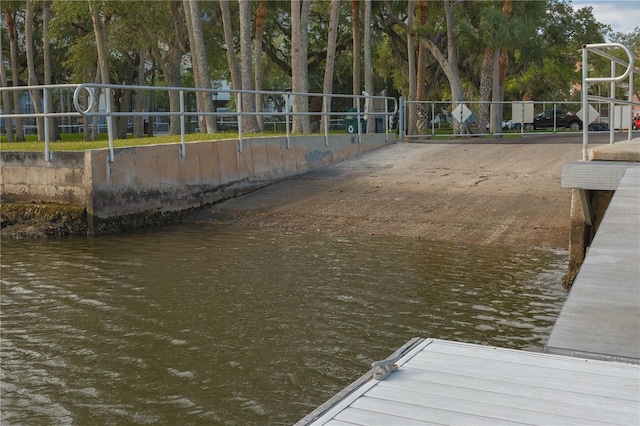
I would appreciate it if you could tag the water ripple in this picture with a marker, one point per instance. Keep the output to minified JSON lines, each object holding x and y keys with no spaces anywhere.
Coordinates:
{"x":211,"y":325}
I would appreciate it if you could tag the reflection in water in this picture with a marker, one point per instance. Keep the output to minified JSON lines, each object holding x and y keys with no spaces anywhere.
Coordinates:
{"x":212,"y":325}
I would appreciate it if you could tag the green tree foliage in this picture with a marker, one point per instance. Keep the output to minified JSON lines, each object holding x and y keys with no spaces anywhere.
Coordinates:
{"x":554,"y":72}
{"x":542,"y":40}
{"x":632,"y":41}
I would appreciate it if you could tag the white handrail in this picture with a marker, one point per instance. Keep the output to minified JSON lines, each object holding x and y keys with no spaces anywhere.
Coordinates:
{"x":596,"y":48}
{"x":109,"y":114}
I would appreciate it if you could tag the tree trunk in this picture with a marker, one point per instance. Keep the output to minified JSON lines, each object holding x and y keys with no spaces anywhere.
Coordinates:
{"x":86,"y":134}
{"x":451,"y":68}
{"x":496,"y":110}
{"x":6,"y":99}
{"x":170,"y":63}
{"x":249,"y":122}
{"x":234,"y":67}
{"x":201,"y":65}
{"x":448,"y":63}
{"x":411,"y":62}
{"x":261,"y":14}
{"x":54,"y":130}
{"x":122,"y":103}
{"x":485,"y":91}
{"x":36,"y":96}
{"x":422,"y":110}
{"x":355,"y":29}
{"x":171,"y":72}
{"x":86,"y":76}
{"x":138,"y":127}
{"x":195,"y":67}
{"x":501,"y":59}
{"x":100,"y":30}
{"x":13,"y":50}
{"x":152,"y":102}
{"x":327,"y":86}
{"x":95,"y":125}
{"x":300,"y":10}
{"x":368,"y":64}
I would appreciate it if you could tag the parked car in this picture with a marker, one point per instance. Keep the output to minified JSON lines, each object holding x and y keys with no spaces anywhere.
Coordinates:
{"x":598,"y":127}
{"x":635,"y":123}
{"x":551,"y":118}
{"x":509,"y":125}
{"x":506,"y":125}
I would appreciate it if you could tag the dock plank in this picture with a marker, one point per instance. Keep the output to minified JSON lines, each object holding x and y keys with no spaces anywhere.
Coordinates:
{"x":495,"y":407}
{"x":428,"y":411}
{"x":428,"y":382}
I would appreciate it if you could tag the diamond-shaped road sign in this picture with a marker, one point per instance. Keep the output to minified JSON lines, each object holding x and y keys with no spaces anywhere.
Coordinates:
{"x":593,"y":114}
{"x":461,"y":113}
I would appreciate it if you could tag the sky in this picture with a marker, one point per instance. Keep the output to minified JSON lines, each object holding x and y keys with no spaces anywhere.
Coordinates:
{"x":622,"y":15}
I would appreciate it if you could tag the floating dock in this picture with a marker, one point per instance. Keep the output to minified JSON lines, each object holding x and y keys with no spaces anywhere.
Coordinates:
{"x":601,"y":316}
{"x":590,"y":371}
{"x":441,"y":382}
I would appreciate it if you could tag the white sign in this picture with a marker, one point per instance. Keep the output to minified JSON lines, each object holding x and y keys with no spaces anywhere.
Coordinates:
{"x":522,"y":112}
{"x":461,"y":113}
{"x":593,"y":114}
{"x":622,"y":117}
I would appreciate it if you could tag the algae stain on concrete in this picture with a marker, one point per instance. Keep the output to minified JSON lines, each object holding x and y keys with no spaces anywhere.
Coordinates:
{"x":316,"y":155}
{"x":35,"y":220}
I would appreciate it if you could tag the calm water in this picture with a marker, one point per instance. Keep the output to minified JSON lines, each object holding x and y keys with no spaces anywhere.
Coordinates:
{"x":210,"y":325}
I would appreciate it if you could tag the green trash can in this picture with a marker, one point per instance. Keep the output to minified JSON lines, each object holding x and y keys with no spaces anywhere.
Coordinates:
{"x":379,"y":125}
{"x":350,"y":122}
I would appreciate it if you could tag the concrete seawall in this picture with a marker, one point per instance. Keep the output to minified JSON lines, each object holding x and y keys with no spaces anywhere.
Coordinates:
{"x":156,"y":180}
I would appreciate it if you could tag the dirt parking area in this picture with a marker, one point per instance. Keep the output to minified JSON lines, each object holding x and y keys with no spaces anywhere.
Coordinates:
{"x":471,"y":191}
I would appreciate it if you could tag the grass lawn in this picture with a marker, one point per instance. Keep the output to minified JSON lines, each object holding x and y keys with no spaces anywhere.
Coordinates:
{"x":74,"y":142}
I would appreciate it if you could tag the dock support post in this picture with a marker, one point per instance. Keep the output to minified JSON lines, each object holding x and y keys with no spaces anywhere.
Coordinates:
{"x":587,"y":211}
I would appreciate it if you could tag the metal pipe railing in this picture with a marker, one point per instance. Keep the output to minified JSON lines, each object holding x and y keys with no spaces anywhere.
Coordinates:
{"x":46,"y":89}
{"x":629,"y":72}
{"x":433,"y":118}
{"x":91,"y":88}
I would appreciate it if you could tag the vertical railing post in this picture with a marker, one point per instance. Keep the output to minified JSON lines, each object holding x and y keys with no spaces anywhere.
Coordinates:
{"x":326,"y":116}
{"x":358,"y":119}
{"x":239,"y":108}
{"x":287,"y":119}
{"x":386,"y":120}
{"x":47,"y":136}
{"x":632,"y":67}
{"x":401,"y":120}
{"x":433,"y":118}
{"x":109,"y":113}
{"x":585,"y":105}
{"x":182,"y":124}
{"x":612,"y":104}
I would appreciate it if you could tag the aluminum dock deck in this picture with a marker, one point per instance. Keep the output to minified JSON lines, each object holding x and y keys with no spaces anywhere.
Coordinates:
{"x":601,"y":316}
{"x":441,"y":382}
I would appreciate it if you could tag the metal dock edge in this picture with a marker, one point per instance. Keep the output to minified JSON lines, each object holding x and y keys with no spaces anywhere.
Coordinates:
{"x":601,"y":317}
{"x":355,"y":386}
{"x":441,"y":382}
